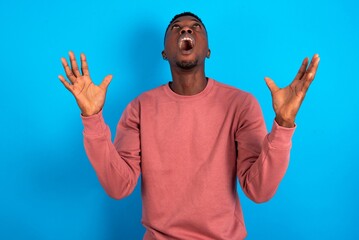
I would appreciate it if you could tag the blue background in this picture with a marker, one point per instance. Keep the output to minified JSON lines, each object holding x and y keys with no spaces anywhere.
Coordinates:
{"x":48,"y":187}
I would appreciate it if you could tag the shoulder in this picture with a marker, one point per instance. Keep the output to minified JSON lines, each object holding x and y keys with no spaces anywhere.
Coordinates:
{"x":233,"y":93}
{"x":148,"y":97}
{"x":152,"y":94}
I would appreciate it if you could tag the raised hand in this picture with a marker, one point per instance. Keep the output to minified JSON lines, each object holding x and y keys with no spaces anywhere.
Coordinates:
{"x":287,"y":101}
{"x":89,"y":97}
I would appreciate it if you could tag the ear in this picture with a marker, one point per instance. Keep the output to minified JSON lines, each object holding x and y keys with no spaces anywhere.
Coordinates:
{"x":164,"y":55}
{"x":209,"y":53}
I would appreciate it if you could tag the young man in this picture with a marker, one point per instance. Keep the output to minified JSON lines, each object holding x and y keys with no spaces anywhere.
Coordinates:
{"x":190,"y":140}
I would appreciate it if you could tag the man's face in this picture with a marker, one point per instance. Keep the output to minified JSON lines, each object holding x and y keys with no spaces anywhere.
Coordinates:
{"x":186,"y":44}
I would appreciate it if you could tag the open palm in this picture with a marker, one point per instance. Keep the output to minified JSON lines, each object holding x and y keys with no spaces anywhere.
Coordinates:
{"x":287,"y":101}
{"x":89,"y":97}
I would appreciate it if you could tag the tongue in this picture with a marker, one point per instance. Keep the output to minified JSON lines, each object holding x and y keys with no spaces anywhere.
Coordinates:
{"x":186,"y":45}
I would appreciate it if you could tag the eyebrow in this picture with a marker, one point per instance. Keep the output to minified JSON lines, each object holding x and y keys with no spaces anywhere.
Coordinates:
{"x":193,"y":19}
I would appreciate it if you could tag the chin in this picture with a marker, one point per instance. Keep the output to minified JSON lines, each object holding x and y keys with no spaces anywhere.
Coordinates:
{"x":187,"y":64}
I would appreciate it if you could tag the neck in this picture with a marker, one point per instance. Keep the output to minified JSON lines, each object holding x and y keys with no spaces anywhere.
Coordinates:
{"x":188,"y":82}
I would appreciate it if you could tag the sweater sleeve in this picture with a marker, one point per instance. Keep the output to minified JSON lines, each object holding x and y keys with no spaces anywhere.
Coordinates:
{"x":117,"y":165}
{"x":262,"y":158}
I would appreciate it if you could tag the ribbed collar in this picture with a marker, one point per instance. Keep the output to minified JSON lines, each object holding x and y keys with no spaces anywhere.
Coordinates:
{"x":197,"y":96}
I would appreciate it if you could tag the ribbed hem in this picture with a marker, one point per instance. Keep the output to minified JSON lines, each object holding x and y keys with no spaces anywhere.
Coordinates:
{"x":281,"y":137}
{"x":94,"y":125}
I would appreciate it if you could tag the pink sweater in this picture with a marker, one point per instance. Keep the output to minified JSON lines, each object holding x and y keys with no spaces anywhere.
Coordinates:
{"x":190,"y":150}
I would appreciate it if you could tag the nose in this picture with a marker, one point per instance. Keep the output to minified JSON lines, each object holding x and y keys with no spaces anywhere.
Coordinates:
{"x":186,"y":29}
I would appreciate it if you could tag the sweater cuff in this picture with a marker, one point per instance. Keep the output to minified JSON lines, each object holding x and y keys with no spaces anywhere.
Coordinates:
{"x":94,"y":124}
{"x":281,"y":137}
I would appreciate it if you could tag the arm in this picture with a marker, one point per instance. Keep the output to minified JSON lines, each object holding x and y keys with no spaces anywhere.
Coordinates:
{"x":262,"y":158}
{"x":117,"y":166}
{"x":262,"y":163}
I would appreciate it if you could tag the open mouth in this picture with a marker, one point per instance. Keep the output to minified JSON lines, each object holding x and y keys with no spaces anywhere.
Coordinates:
{"x":186,"y":42}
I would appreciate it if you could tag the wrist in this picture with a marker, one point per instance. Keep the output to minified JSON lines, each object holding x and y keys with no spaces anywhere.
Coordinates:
{"x":89,"y":114}
{"x":288,"y":123}
{"x":88,"y":111}
{"x":86,"y":114}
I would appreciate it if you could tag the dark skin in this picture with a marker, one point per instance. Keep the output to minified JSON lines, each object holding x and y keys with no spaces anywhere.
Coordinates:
{"x":187,"y":81}
{"x":188,"y":75}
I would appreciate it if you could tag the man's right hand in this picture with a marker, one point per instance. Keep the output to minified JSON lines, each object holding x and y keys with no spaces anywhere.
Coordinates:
{"x":89,"y":97}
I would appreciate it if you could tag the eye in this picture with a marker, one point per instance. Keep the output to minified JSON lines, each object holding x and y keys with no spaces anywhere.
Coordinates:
{"x":196,"y":25}
{"x":175,"y":26}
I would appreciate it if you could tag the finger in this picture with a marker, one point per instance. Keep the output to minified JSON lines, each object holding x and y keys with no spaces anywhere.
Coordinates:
{"x":74,"y":67}
{"x":106,"y":81}
{"x":67,"y":85}
{"x":313,"y":69}
{"x":302,"y":69}
{"x":271,"y":85}
{"x":312,"y":66}
{"x":84,"y":66}
{"x":310,"y":75}
{"x":70,"y":75}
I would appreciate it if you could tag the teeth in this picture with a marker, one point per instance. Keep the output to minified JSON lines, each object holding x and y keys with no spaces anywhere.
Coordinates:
{"x":186,"y":42}
{"x":187,"y":38}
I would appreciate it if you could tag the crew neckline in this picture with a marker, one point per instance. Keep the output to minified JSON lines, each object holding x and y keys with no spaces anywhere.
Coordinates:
{"x":199,"y":95}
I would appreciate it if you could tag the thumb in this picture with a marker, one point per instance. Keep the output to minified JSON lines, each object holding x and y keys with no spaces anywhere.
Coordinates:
{"x":271,"y":85}
{"x":106,"y":81}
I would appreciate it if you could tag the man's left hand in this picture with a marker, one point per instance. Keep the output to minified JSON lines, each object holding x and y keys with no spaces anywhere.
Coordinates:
{"x":287,"y":101}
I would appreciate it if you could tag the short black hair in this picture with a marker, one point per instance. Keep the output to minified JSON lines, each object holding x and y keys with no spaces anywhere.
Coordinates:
{"x":181,"y":15}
